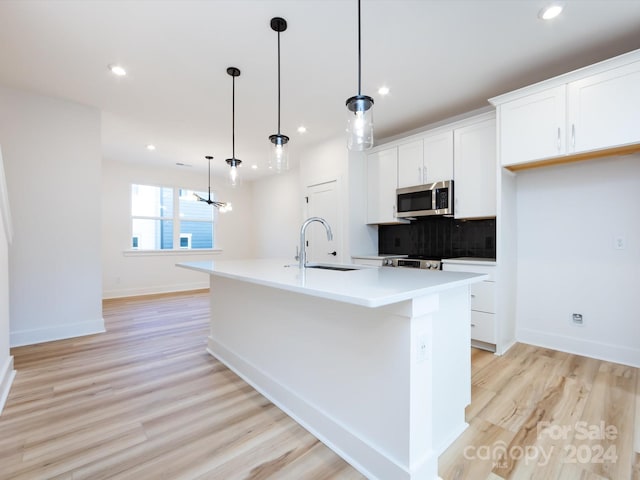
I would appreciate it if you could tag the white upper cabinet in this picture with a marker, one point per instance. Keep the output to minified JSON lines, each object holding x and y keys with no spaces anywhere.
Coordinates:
{"x":429,"y":157}
{"x":594,"y":111}
{"x":475,"y":170}
{"x":382,"y":181}
{"x":427,"y":160}
{"x":410,"y":164}
{"x":604,"y":109}
{"x":438,"y":157}
{"x":533,"y":127}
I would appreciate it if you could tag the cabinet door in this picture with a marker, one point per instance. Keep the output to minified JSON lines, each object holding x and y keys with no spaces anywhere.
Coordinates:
{"x":483,"y":298}
{"x":438,"y":157}
{"x":410,"y":164}
{"x":382,"y":181}
{"x":483,"y":327}
{"x":475,"y":172}
{"x":604,"y":109}
{"x":533,"y":127}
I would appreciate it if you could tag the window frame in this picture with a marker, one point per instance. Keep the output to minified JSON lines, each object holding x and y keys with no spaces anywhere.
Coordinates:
{"x":175,"y":219}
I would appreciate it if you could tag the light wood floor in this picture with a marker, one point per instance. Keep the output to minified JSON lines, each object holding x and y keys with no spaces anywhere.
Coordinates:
{"x":145,"y":401}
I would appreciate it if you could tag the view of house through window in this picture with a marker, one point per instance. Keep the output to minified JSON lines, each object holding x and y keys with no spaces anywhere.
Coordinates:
{"x":164,"y":218}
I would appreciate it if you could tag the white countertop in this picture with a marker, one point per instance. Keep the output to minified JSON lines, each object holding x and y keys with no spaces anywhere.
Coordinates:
{"x":470,"y":261}
{"x":366,"y":286}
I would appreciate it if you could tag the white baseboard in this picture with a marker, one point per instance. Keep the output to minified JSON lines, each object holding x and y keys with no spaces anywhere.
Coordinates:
{"x":577,"y":346}
{"x":505,"y":348}
{"x":7,"y":374}
{"x":57,"y":332}
{"x":136,"y":292}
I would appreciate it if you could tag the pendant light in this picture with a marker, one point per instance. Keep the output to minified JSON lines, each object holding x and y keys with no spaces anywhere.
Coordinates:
{"x":279,"y":155}
{"x":223,"y":206}
{"x":360,"y":123}
{"x":234,"y":163}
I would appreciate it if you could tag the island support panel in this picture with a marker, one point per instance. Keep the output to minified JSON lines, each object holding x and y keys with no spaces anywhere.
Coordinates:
{"x":385,"y":388}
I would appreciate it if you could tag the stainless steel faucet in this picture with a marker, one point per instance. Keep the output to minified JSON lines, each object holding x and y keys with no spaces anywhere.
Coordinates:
{"x":303,"y":230}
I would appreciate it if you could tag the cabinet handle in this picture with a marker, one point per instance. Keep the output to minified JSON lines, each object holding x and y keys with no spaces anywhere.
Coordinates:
{"x":394,"y":211}
{"x":559,"y":140}
{"x":573,"y":135}
{"x":420,"y":177}
{"x":473,"y":295}
{"x":473,"y":324}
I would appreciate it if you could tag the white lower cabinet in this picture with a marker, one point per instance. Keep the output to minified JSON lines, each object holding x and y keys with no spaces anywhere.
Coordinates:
{"x":483,"y":327}
{"x":372,"y":262}
{"x":483,"y":301}
{"x":483,"y":297}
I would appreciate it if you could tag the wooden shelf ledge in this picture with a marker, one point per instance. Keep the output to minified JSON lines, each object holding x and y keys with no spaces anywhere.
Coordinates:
{"x":577,"y":157}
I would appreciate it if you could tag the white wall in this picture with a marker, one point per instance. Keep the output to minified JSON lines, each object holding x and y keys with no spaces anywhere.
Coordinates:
{"x":51,"y":152}
{"x":6,"y":232}
{"x":127,"y":275}
{"x":277,"y":215}
{"x":568,"y":219}
{"x":279,"y":208}
{"x":331,"y":160}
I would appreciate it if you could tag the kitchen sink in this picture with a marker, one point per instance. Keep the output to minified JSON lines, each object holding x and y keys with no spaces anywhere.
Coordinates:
{"x":333,"y":267}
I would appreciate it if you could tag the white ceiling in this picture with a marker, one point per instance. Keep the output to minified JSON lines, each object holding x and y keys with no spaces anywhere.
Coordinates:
{"x":439,"y":58}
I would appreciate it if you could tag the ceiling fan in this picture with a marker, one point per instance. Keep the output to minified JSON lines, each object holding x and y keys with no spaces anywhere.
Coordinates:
{"x":223,"y":206}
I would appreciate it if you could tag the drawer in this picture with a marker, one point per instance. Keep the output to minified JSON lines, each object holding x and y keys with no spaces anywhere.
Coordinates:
{"x":488,"y":269}
{"x":367,"y":261}
{"x":483,"y":327}
{"x":483,"y":297}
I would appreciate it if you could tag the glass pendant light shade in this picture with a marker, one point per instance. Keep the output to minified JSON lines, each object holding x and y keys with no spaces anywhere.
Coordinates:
{"x":234,"y":177}
{"x":360,"y":123}
{"x":279,"y":153}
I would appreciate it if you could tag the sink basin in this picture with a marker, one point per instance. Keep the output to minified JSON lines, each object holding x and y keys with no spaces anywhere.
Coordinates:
{"x":333,"y":267}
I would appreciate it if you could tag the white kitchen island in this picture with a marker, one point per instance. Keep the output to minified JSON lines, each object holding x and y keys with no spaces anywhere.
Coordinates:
{"x":374,"y":362}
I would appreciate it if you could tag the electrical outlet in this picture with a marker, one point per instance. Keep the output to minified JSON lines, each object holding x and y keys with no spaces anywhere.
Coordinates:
{"x":577,"y":319}
{"x":619,"y":243}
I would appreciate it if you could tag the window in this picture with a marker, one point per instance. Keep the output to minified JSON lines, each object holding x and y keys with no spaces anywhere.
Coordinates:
{"x":162,"y":217}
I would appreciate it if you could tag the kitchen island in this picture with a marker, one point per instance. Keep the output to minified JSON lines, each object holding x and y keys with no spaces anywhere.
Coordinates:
{"x":375,"y":362}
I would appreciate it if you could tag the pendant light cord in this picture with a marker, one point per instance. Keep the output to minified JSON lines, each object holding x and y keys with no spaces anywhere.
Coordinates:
{"x":359,"y":53}
{"x":233,"y":118}
{"x":278,"y":83}
{"x":209,"y":179}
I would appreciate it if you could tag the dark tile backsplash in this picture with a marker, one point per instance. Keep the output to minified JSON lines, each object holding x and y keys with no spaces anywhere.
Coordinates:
{"x":440,"y":237}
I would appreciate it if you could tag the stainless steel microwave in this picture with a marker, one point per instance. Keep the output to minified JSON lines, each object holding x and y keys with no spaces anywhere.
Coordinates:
{"x":422,"y":200}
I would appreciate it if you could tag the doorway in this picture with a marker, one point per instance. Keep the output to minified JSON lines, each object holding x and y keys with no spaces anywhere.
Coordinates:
{"x":322,"y":201}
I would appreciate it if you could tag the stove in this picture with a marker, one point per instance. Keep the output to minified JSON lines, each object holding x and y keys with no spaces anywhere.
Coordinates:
{"x":415,"y":261}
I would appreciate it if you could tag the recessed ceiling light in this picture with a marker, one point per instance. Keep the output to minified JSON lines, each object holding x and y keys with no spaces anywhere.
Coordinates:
{"x":117,"y":70}
{"x":181,"y":164}
{"x":383,"y":91}
{"x":302,"y":129}
{"x":550,"y":11}
{"x":151,"y":147}
{"x":254,"y":167}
